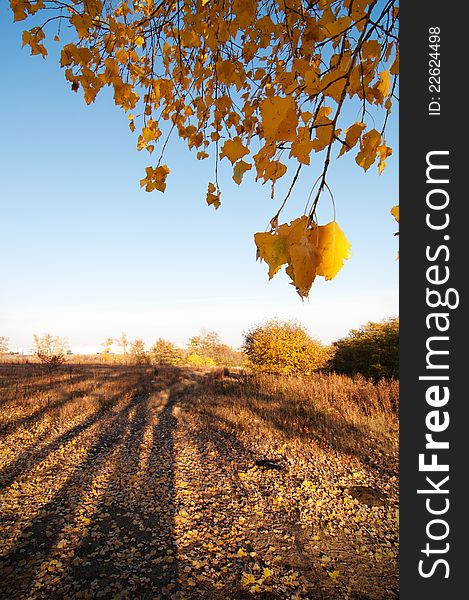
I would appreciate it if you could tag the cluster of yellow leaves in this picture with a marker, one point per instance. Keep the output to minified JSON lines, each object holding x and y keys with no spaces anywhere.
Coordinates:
{"x":257,"y":585}
{"x":155,"y":179}
{"x":232,"y":71}
{"x":33,"y":39}
{"x":307,"y":248}
{"x":227,"y":75}
{"x":372,"y":147}
{"x":213,"y":195}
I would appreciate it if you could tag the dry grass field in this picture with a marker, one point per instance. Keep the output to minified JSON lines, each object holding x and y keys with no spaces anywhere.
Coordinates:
{"x":141,"y":483}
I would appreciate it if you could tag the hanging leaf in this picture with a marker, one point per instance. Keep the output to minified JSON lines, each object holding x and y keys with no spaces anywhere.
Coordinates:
{"x":155,"y":179}
{"x":368,"y":149}
{"x":213,"y":196}
{"x":334,"y":249}
{"x":233,"y":150}
{"x":279,"y":119}
{"x":307,"y":249}
{"x":239,"y":169}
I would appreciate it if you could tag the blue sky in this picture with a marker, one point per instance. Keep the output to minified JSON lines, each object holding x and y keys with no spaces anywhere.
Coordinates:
{"x":87,"y":254}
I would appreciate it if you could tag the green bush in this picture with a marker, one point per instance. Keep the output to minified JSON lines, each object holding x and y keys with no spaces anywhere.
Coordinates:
{"x":372,"y":350}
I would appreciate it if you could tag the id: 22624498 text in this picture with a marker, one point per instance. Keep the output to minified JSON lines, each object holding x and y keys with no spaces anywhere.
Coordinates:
{"x":434,"y":71}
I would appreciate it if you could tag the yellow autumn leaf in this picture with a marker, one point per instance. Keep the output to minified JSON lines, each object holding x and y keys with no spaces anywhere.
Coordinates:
{"x":368,"y":149}
{"x":323,"y":129}
{"x":337,"y":27}
{"x":82,"y":23}
{"x":358,"y":8}
{"x":304,"y":255}
{"x":19,"y":9}
{"x":322,"y":114}
{"x":302,"y":146}
{"x":213,"y":196}
{"x":383,"y":86}
{"x":233,"y":150}
{"x":323,"y":137}
{"x":150,"y":132}
{"x":332,"y":84}
{"x":395,"y":212}
{"x":352,"y":135}
{"x":279,"y":119}
{"x":333,"y":574}
{"x":333,"y":248}
{"x":239,"y":169}
{"x":247,"y":579}
{"x":33,"y":38}
{"x":383,"y":152}
{"x":274,"y":170}
{"x":370,"y":49}
{"x":311,"y":82}
{"x":273,"y":249}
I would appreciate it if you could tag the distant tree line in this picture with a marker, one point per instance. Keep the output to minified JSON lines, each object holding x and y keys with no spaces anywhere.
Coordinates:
{"x":204,"y":350}
{"x":275,"y":346}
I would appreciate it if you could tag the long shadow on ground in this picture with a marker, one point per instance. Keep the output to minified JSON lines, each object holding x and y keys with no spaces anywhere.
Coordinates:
{"x":108,"y":530}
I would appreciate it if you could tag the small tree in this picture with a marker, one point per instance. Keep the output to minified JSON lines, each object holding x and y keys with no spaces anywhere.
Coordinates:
{"x":138,"y":354}
{"x":284,"y":347}
{"x":164,"y":352}
{"x":107,"y":348}
{"x":204,"y":344}
{"x":372,"y":350}
{"x":51,"y":350}
{"x":209,"y":345}
{"x":4,"y":344}
{"x":123,"y":342}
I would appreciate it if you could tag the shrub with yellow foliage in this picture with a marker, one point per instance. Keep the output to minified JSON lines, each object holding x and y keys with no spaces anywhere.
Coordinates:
{"x":284,"y":347}
{"x":195,"y":360}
